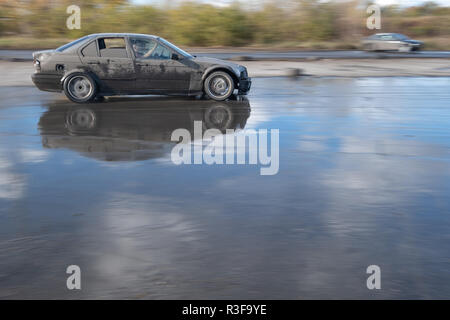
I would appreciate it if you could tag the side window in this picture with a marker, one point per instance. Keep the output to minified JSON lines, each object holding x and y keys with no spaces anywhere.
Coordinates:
{"x":90,"y":50}
{"x":386,"y":38}
{"x":161,"y":52}
{"x":112,"y":47}
{"x":399,"y":37}
{"x":142,"y":48}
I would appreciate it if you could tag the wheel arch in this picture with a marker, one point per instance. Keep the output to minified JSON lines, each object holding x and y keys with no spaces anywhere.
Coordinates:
{"x":80,"y":70}
{"x":224,"y":69}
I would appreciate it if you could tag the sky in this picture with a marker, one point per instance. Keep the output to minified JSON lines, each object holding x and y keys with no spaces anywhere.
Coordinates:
{"x":226,"y":2}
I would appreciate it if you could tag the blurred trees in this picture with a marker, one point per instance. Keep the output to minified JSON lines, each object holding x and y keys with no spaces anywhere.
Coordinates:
{"x":196,"y":24}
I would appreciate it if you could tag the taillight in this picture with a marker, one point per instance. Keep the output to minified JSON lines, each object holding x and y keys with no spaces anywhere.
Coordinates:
{"x":37,"y":64}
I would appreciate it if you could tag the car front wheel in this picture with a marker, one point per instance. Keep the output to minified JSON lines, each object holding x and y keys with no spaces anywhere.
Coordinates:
{"x":219,"y":86}
{"x":80,"y":87}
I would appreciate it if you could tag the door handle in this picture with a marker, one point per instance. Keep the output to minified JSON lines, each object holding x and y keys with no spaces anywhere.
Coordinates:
{"x":142,"y":64}
{"x":93,"y":62}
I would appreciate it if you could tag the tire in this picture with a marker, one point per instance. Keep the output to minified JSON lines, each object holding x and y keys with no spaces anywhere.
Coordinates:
{"x":219,"y":86}
{"x":80,"y":87}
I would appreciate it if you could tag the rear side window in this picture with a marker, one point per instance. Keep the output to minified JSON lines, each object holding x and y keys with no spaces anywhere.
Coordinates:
{"x":90,"y":50}
{"x":112,"y":47}
{"x":71,"y":44}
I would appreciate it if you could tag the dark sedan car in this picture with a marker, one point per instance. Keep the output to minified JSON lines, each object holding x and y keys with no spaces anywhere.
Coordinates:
{"x":114,"y":64}
{"x":391,"y":41}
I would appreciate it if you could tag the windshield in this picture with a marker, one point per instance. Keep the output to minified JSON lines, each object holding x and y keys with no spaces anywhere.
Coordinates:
{"x":175,"y":48}
{"x":70,"y":44}
{"x":401,"y":37}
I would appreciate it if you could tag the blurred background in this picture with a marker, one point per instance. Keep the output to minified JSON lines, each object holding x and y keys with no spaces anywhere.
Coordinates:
{"x":308,"y":24}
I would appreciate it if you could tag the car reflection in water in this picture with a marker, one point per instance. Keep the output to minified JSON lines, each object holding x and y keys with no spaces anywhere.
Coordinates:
{"x":133,"y":129}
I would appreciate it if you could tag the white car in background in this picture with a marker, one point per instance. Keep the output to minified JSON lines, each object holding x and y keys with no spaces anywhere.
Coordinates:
{"x":391,"y":42}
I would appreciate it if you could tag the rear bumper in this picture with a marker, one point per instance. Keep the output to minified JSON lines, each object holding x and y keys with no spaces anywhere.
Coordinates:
{"x":47,"y":82}
{"x":245,"y":85}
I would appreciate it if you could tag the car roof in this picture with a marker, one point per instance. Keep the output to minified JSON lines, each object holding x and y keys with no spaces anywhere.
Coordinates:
{"x":80,"y":42}
{"x":387,"y":34}
{"x":121,"y":35}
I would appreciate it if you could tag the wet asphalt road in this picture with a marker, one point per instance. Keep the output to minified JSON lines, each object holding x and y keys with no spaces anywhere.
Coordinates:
{"x":363,"y":179}
{"x":275,"y":55}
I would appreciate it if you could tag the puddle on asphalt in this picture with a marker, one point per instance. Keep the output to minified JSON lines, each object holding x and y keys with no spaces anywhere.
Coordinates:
{"x":363,"y":179}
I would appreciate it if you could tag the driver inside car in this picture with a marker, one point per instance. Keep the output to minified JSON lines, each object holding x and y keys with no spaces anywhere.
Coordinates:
{"x":143,"y":49}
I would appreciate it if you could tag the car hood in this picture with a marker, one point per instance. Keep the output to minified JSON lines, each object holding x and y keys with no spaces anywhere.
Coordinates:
{"x":413,"y":41}
{"x":207,"y":62}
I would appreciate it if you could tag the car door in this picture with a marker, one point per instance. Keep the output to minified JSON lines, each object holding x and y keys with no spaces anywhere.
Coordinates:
{"x":156,"y":68}
{"x":111,"y":61}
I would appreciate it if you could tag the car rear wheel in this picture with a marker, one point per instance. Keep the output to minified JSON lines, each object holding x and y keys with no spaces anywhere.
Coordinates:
{"x":80,"y":88}
{"x":219,"y":86}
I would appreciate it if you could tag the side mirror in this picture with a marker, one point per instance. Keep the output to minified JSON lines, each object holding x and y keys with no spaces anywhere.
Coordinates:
{"x":175,"y":56}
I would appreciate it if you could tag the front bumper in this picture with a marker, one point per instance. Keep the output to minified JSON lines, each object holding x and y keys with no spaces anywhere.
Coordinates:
{"x":413,"y":46}
{"x":47,"y":82}
{"x":244,"y":86}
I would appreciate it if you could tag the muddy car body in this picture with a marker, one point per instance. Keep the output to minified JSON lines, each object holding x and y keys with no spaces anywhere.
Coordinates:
{"x":116,"y":64}
{"x":391,"y":42}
